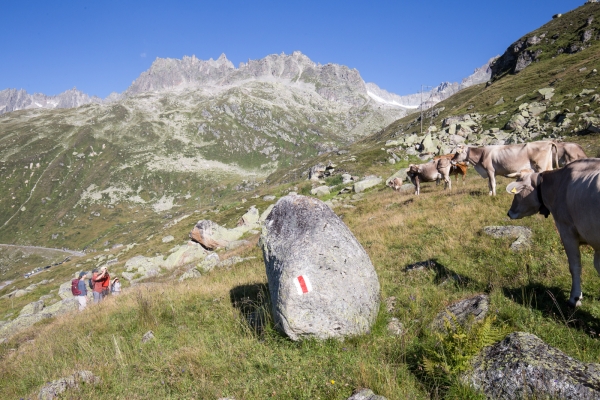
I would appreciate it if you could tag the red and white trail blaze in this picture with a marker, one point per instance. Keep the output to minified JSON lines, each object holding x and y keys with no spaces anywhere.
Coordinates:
{"x":302,"y":284}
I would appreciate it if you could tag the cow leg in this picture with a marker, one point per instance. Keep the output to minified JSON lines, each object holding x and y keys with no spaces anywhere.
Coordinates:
{"x":574,"y":256}
{"x":418,"y":185}
{"x":492,"y":183}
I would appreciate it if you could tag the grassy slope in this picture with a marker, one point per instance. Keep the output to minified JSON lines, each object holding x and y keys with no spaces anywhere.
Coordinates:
{"x":205,"y":347}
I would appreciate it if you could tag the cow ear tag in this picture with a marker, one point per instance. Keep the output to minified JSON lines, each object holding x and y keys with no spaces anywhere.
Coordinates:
{"x":514,"y":190}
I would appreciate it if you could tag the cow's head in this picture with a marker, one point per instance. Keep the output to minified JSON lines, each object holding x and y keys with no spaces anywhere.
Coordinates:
{"x":526,"y":201}
{"x":460,"y":155}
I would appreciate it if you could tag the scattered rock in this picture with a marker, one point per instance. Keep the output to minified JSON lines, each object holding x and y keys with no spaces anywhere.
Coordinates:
{"x":522,"y":366}
{"x":269,"y":198}
{"x":148,"y":336}
{"x":208,"y":263}
{"x":475,"y":307}
{"x":395,"y":327}
{"x":53,"y":389}
{"x":20,"y":293}
{"x":236,"y":243}
{"x":212,"y":236}
{"x":186,"y":254}
{"x":367,"y":183}
{"x":190,"y":274}
{"x":32,"y":308}
{"x":168,"y":239}
{"x":320,"y":191}
{"x":500,"y":101}
{"x":521,"y":233}
{"x":321,"y":280}
{"x":365,"y":394}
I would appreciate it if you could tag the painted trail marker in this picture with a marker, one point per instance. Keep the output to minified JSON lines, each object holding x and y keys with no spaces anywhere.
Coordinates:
{"x":302,"y":284}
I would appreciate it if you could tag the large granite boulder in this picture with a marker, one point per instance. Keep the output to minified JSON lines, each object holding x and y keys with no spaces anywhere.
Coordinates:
{"x":522,"y":366}
{"x":321,"y":280}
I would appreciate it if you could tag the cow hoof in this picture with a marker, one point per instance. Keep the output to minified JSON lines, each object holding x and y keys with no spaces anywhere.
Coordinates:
{"x":574,"y":304}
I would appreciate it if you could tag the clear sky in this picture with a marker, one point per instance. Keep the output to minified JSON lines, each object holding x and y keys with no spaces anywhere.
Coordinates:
{"x":102,"y":46}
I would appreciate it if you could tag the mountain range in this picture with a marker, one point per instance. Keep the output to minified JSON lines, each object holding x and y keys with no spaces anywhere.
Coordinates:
{"x":336,"y":82}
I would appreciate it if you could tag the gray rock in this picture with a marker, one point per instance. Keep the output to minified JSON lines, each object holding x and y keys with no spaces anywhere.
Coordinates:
{"x":475,"y":307}
{"x":269,"y":198}
{"x":168,"y":239}
{"x":365,"y":394}
{"x":400,"y":174}
{"x":522,"y":366}
{"x":500,"y":101}
{"x":209,"y":262}
{"x":21,"y":292}
{"x":62,"y":307}
{"x":320,"y":191}
{"x":148,"y":336}
{"x":547,"y":93}
{"x":367,"y":183}
{"x":190,"y":274}
{"x":236,"y":243}
{"x":321,"y":280}
{"x":54,"y":389}
{"x":522,"y":234}
{"x":395,"y":327}
{"x":515,"y":122}
{"x":32,"y":308}
{"x":20,"y":323}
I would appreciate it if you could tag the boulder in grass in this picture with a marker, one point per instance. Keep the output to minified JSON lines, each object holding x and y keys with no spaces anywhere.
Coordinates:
{"x":322,"y":282}
{"x":366,"y":183}
{"x":365,"y":394}
{"x":473,"y":308}
{"x":212,"y":236}
{"x":522,"y":366}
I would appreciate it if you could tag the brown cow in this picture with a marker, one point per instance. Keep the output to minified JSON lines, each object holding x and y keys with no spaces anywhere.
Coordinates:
{"x":506,"y":160}
{"x":455,"y":169}
{"x":395,"y":183}
{"x":572,"y":196}
{"x":430,"y":172}
{"x":567,"y":152}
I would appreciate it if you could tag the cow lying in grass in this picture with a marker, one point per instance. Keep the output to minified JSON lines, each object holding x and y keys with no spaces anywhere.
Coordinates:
{"x":429,"y":172}
{"x":572,"y":196}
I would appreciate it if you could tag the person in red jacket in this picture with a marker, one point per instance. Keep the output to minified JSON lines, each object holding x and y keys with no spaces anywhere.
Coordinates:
{"x":99,"y":279}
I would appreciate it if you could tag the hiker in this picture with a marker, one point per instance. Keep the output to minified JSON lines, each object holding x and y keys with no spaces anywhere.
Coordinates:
{"x":79,"y":290}
{"x":115,"y":287}
{"x":98,"y":280}
{"x":105,"y":283}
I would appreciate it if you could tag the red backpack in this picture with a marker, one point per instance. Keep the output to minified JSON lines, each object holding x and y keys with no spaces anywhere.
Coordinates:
{"x":74,"y":287}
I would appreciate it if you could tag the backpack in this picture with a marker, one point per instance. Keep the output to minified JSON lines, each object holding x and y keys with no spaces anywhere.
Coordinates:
{"x":91,"y":284}
{"x":74,"y":287}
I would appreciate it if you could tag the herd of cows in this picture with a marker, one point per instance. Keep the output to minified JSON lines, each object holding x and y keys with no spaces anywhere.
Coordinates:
{"x":571,"y":193}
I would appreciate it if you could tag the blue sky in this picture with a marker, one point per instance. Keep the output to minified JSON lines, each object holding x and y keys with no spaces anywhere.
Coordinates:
{"x":102,"y":46}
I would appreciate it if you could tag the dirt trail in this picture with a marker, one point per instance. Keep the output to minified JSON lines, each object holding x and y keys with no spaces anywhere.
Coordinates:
{"x":71,"y":252}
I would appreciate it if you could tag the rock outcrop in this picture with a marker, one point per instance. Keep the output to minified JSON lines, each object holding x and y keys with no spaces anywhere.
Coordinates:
{"x":321,"y":280}
{"x":54,"y":389}
{"x":522,"y":366}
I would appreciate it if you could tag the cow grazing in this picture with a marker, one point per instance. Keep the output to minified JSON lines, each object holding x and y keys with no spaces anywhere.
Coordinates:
{"x":455,"y":169}
{"x":567,"y":152}
{"x":572,"y":196}
{"x":430,"y":172}
{"x":395,"y":183}
{"x":506,"y":160}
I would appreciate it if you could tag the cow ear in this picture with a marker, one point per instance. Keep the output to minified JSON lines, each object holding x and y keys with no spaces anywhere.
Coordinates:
{"x":515,"y":187}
